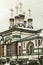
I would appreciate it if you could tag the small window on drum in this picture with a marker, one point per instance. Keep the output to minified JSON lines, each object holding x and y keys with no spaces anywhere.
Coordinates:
{"x":39,"y":42}
{"x":35,"y":42}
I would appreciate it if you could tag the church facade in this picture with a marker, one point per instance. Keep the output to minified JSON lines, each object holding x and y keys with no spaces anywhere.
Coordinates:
{"x":21,"y":41}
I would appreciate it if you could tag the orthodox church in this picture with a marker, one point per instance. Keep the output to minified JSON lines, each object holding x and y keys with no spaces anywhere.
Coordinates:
{"x":21,"y":41}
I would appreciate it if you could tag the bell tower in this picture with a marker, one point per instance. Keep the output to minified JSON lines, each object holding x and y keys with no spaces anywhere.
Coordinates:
{"x":11,"y":20}
{"x":21,"y":15}
{"x":17,"y":17}
{"x":30,"y":20}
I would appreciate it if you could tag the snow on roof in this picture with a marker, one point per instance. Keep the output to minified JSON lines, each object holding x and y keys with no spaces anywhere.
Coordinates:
{"x":29,"y":29}
{"x":21,"y":29}
{"x":32,"y":37}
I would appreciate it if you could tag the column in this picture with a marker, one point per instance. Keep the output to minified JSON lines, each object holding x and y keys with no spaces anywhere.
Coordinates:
{"x":4,"y":50}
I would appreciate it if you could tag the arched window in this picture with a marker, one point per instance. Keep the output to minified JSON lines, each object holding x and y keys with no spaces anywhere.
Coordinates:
{"x":29,"y":48}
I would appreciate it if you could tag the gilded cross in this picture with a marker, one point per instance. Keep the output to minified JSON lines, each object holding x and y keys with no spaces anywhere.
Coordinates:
{"x":20,"y":6}
{"x":11,"y":12}
{"x":29,"y":12}
{"x":16,"y":9}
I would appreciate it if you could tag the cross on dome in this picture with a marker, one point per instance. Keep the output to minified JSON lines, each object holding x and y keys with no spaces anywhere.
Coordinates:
{"x":11,"y":12}
{"x":29,"y":12}
{"x":17,"y":9}
{"x":20,"y":6}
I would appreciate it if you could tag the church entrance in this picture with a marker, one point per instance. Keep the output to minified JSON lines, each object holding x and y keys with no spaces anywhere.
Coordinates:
{"x":29,"y":48}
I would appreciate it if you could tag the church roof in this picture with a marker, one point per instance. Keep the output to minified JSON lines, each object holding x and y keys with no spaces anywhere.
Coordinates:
{"x":32,"y":37}
{"x":21,"y":30}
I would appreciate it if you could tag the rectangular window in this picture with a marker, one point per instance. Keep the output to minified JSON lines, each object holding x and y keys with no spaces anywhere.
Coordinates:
{"x":20,"y":50}
{"x":8,"y":50}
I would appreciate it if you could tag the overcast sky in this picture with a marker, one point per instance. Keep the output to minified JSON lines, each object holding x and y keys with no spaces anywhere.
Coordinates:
{"x":35,"y":5}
